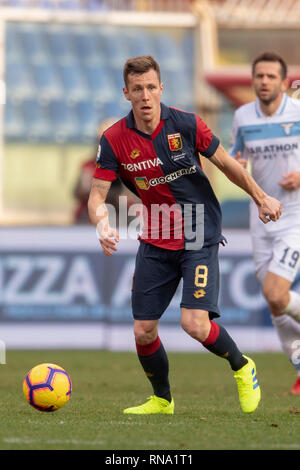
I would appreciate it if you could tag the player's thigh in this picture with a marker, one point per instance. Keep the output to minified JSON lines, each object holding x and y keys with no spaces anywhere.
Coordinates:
{"x":200,"y":272}
{"x":156,"y":278}
{"x":262,"y":255}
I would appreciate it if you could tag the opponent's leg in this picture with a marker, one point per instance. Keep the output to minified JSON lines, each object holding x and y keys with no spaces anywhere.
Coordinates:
{"x":279,"y":274}
{"x":293,"y":306}
{"x":277,"y":292}
{"x":276,"y":264}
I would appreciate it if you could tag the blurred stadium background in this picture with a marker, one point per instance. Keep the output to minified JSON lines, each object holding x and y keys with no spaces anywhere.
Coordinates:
{"x":60,"y":75}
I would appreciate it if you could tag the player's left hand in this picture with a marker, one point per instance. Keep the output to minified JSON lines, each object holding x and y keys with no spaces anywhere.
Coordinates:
{"x":291,"y":181}
{"x":269,"y":210}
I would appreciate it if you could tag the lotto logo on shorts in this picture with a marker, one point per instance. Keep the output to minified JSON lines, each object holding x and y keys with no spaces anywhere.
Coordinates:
{"x":142,"y":182}
{"x":199,"y":293}
{"x":175,"y":142}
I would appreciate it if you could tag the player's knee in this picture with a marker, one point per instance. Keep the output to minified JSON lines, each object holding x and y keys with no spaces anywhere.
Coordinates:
{"x":196,"y":328}
{"x":145,"y":332}
{"x":275,"y":299}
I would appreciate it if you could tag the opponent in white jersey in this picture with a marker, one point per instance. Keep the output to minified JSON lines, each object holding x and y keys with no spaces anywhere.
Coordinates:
{"x":266,"y":133}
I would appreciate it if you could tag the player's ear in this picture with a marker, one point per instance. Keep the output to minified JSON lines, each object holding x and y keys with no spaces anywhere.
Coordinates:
{"x":285,"y":84}
{"x":125,"y":91}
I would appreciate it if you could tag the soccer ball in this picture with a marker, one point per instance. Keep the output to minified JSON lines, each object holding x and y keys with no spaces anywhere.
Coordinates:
{"x":47,"y":387}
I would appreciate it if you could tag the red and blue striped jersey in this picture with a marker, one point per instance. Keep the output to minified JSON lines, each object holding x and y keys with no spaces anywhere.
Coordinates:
{"x":164,"y":170}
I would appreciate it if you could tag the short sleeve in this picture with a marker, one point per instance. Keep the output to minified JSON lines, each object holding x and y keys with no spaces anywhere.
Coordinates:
{"x":236,"y":139}
{"x":206,"y":142}
{"x":107,"y":165}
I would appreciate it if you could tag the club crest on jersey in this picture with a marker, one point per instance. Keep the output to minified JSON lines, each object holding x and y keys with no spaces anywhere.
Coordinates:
{"x":287,"y":127}
{"x":175,"y":142}
{"x":135,"y":153}
{"x":142,"y":182}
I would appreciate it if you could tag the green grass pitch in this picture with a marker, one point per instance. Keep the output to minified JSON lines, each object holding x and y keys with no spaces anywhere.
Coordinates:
{"x":207,"y":412}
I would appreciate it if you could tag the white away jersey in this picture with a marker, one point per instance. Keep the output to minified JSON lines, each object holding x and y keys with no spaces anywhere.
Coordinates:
{"x":272,"y":144}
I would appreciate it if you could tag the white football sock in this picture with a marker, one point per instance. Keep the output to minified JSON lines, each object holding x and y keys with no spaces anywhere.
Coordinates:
{"x":288,"y":331}
{"x":293,"y":307}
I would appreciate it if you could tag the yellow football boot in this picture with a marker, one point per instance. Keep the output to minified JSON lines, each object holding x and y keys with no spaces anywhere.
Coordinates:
{"x":248,"y":386}
{"x":154,"y":405}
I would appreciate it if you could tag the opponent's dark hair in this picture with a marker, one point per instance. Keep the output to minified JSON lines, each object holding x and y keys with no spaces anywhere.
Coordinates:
{"x":139,"y":65}
{"x":271,"y":57}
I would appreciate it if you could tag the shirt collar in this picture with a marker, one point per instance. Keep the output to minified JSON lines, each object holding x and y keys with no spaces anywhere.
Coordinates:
{"x":279,"y":110}
{"x":164,"y":114}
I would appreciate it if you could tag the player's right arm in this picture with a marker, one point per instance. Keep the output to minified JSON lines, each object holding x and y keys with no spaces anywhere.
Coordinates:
{"x":98,"y":214}
{"x":105,"y":173}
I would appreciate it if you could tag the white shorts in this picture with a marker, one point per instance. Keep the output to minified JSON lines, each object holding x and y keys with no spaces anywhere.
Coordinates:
{"x":277,"y":253}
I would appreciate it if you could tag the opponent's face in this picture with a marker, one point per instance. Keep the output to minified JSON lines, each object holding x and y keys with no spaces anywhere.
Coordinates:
{"x":144,"y":92}
{"x":267,"y":81}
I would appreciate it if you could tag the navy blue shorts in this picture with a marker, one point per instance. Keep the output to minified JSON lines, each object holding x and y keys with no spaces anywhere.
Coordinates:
{"x":158,"y":273}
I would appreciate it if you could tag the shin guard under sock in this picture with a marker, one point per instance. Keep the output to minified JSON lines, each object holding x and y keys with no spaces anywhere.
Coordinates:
{"x":220,"y":343}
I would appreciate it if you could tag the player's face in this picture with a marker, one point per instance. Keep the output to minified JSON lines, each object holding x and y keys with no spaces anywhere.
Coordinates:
{"x":144,"y":92}
{"x":267,"y":81}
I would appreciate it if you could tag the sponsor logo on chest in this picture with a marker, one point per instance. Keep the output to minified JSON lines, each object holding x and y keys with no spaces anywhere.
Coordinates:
{"x":144,"y":165}
{"x":143,"y":183}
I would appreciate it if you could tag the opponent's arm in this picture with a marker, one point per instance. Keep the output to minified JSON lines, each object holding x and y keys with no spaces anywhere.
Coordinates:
{"x":237,"y":145}
{"x":291,"y":181}
{"x":98,"y":214}
{"x":242,"y":161}
{"x":268,"y":207}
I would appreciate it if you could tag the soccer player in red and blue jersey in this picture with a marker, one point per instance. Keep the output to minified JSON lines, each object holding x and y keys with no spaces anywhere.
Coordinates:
{"x":155,"y":151}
